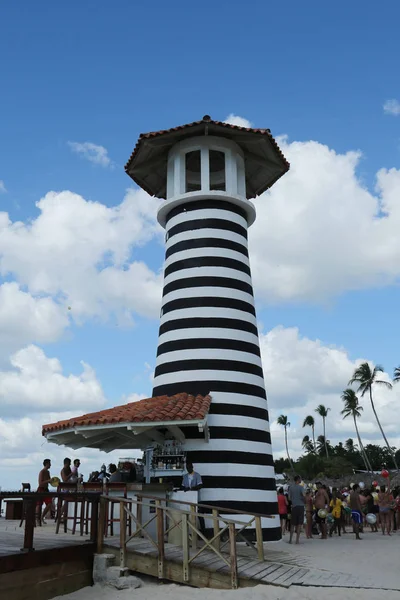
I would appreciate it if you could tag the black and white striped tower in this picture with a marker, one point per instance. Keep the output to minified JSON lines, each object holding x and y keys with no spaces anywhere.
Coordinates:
{"x":207,"y":172}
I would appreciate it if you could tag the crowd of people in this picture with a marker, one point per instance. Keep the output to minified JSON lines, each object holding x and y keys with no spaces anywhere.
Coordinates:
{"x":70,"y":474}
{"x":322,"y":511}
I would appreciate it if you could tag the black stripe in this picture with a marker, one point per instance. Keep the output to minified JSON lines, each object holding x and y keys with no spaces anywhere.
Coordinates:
{"x":206,"y":243}
{"x":211,"y":364}
{"x":230,"y":457}
{"x":269,"y":534}
{"x":206,"y":204}
{"x":193,"y":282}
{"x":207,"y":224}
{"x":239,"y":409}
{"x":263,"y":508}
{"x":230,"y":433}
{"x":221,"y":344}
{"x":207,"y":301}
{"x":241,"y":483}
{"x":207,"y":261}
{"x":205,"y":387}
{"x":209,"y":322}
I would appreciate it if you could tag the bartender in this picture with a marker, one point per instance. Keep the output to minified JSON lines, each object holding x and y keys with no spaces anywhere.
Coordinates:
{"x":192,"y":482}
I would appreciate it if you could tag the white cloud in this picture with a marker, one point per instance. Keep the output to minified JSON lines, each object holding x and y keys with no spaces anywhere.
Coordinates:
{"x":2,"y":187}
{"x":23,"y":449}
{"x":36,"y":383}
{"x":301,"y":373}
{"x":239,"y":121}
{"x":91,"y":152}
{"x":82,"y":254}
{"x":392,"y":107}
{"x":25,"y":319}
{"x":320,"y":232}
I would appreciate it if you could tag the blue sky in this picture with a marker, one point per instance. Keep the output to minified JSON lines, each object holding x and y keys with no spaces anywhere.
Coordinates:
{"x":105,"y":72}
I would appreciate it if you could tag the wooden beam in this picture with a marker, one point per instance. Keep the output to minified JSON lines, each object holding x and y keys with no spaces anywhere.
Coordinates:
{"x":177,"y":433}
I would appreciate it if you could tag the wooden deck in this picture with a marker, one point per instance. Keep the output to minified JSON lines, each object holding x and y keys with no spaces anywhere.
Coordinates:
{"x":12,"y":538}
{"x":59,"y":564}
{"x":207,"y":570}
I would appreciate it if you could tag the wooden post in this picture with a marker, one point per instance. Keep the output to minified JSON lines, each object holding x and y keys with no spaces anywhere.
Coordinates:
{"x":185,"y":546}
{"x":101,"y":525}
{"x":259,"y":539}
{"x":29,"y":524}
{"x":233,"y":556}
{"x":160,"y":538}
{"x":122,"y":535}
{"x":193,"y":520}
{"x":139,"y":514}
{"x":94,"y":519}
{"x":217,"y":541}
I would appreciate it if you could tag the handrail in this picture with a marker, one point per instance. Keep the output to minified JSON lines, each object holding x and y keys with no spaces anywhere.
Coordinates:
{"x":186,"y":520}
{"x":212,"y":507}
{"x":30,"y":500}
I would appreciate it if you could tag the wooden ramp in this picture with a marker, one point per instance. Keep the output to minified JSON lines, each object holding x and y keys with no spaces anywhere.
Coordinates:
{"x":207,"y":570}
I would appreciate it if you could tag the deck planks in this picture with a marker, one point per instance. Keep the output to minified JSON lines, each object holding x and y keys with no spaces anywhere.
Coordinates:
{"x":208,"y":570}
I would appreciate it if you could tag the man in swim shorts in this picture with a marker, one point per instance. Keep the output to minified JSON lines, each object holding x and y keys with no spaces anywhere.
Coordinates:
{"x":356,"y":513}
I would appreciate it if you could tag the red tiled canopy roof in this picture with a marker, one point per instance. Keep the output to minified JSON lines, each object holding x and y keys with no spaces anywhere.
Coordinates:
{"x":147,"y":163}
{"x":181,"y":407}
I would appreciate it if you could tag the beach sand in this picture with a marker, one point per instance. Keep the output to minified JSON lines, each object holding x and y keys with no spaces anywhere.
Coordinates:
{"x":375,"y":558}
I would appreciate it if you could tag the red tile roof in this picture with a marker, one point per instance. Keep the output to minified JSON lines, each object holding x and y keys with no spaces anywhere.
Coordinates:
{"x":181,"y":407}
{"x":204,"y":126}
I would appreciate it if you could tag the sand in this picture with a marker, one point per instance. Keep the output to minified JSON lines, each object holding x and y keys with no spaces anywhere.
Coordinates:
{"x":375,"y":558}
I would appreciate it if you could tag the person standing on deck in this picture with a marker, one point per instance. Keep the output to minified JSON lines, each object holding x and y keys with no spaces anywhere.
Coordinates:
{"x":43,"y":481}
{"x":297,"y":498}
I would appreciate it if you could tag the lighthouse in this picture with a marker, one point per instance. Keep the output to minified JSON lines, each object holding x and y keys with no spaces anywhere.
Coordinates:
{"x":206,"y":174}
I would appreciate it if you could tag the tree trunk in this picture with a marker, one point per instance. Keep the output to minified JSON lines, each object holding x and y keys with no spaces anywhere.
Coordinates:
{"x":326,"y":447}
{"x":380,"y":427}
{"x":313,"y":437}
{"x":287,"y":450}
{"x":362,"y":450}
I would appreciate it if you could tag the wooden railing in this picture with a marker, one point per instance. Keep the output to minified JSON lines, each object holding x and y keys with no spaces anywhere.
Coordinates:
{"x":32,"y":499}
{"x":222,"y":527}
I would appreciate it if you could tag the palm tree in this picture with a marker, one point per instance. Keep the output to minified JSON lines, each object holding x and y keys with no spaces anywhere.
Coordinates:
{"x":307,"y":444}
{"x":283,"y":420}
{"x":309,"y":421}
{"x":323,"y":412}
{"x":396,"y":376}
{"x":322,"y":444}
{"x":350,"y":446}
{"x":352,"y":408}
{"x":366,"y":378}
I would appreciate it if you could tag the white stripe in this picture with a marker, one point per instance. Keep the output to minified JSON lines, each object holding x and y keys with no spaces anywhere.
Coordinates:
{"x":233,"y":494}
{"x":228,"y":445}
{"x":209,"y":311}
{"x":234,"y":470}
{"x":241,"y":399}
{"x":206,"y":213}
{"x":208,"y":332}
{"x":208,"y":375}
{"x":206,"y":233}
{"x":208,"y":353}
{"x":207,"y":251}
{"x":237,"y":421}
{"x":208,"y":272}
{"x":204,"y":292}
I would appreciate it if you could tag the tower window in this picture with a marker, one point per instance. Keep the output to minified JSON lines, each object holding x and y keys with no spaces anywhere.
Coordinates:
{"x":217,"y":171}
{"x":193,"y":171}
